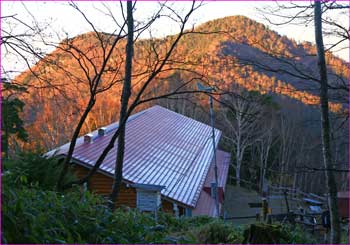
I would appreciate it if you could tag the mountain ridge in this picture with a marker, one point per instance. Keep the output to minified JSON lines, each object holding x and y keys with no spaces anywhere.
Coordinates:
{"x":217,"y":55}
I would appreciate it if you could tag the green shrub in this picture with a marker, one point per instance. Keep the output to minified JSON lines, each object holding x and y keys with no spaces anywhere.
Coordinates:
{"x":183,"y":223}
{"x":198,"y":221}
{"x":295,"y":234}
{"x":32,"y":215}
{"x":182,"y":229}
{"x":32,"y":169}
{"x":218,"y":232}
{"x":236,"y":236}
{"x":36,"y":216}
{"x":264,"y":233}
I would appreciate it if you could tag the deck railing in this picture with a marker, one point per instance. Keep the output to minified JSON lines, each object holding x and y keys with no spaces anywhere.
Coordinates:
{"x":294,"y":194}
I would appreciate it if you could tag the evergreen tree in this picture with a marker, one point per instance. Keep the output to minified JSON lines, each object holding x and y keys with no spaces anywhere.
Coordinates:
{"x":11,"y":122}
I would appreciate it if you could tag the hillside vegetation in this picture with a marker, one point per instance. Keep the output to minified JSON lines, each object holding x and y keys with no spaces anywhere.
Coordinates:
{"x":34,"y":213}
{"x":218,"y":49}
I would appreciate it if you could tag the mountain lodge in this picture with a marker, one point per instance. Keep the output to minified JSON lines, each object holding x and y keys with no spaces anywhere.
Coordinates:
{"x":165,"y":152}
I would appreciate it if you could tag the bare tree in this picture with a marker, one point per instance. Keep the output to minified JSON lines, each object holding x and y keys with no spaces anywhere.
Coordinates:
{"x":94,"y":68}
{"x":326,"y":147}
{"x":94,"y":80}
{"x":17,"y":38}
{"x":301,"y":65}
{"x":161,"y":63}
{"x":287,"y":147}
{"x":264,"y":145}
{"x":242,"y":115}
{"x":118,"y":172}
{"x":333,"y":84}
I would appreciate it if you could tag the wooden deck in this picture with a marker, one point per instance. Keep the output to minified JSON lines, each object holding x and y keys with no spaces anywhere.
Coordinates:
{"x":237,"y":209}
{"x":236,"y":204}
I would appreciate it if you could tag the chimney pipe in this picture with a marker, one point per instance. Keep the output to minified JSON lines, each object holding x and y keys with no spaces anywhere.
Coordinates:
{"x":102,"y":131}
{"x":88,"y":138}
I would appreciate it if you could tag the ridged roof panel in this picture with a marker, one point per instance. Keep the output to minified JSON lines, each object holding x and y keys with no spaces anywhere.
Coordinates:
{"x":161,"y":148}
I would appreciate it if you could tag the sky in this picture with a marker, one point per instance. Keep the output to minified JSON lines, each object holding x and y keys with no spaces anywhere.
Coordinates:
{"x":64,"y":21}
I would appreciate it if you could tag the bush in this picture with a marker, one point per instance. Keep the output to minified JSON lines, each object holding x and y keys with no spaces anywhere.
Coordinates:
{"x":183,"y":229}
{"x":219,"y":232}
{"x":32,"y":169}
{"x":198,"y":221}
{"x":183,"y":223}
{"x":32,"y":215}
{"x":263,"y":233}
{"x":297,"y":235}
{"x":37,"y":216}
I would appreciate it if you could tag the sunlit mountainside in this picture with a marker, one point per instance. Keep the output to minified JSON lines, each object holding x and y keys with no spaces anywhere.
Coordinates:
{"x":229,"y":51}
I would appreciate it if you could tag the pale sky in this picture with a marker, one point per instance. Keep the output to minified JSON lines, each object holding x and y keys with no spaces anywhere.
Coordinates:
{"x":64,"y":19}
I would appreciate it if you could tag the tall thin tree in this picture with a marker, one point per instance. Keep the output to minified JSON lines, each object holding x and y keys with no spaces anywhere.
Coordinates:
{"x":326,"y":148}
{"x":118,"y":172}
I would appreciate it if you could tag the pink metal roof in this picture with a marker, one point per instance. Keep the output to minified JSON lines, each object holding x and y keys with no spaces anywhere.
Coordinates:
{"x":343,"y":194}
{"x":162,"y":148}
{"x":206,"y":204}
{"x":223,"y":162}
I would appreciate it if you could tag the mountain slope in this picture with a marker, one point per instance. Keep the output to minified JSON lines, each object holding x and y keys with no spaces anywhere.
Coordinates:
{"x":229,"y":51}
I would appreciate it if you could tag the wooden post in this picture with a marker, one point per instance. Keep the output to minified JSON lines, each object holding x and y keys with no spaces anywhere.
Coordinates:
{"x":265,"y":208}
{"x":286,"y":199}
{"x":265,"y":205}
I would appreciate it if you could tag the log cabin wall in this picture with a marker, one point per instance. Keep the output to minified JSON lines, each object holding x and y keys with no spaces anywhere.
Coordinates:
{"x":167,"y":206}
{"x":102,"y":184}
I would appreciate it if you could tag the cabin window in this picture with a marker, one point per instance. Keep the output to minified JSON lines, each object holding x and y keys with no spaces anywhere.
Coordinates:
{"x":148,"y":197}
{"x":148,"y":200}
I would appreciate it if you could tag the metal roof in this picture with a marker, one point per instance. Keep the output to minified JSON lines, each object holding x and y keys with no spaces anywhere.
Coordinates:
{"x":148,"y":187}
{"x":343,"y":194}
{"x":223,"y":163}
{"x":205,"y":205}
{"x":161,"y":148}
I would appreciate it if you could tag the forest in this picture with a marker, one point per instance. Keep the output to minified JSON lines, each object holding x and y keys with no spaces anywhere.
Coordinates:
{"x":281,"y":105}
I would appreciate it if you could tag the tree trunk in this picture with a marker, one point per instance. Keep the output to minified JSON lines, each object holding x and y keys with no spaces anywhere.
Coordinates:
{"x":264,"y":156}
{"x":118,"y":172}
{"x":331,"y":184}
{"x":73,"y":143}
{"x":281,"y":181}
{"x":5,"y":141}
{"x":295,"y":176}
{"x":238,"y":174}
{"x":261,"y":174}
{"x":238,"y":164}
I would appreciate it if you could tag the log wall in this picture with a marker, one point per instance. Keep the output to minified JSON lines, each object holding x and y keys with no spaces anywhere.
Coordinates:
{"x":102,"y":184}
